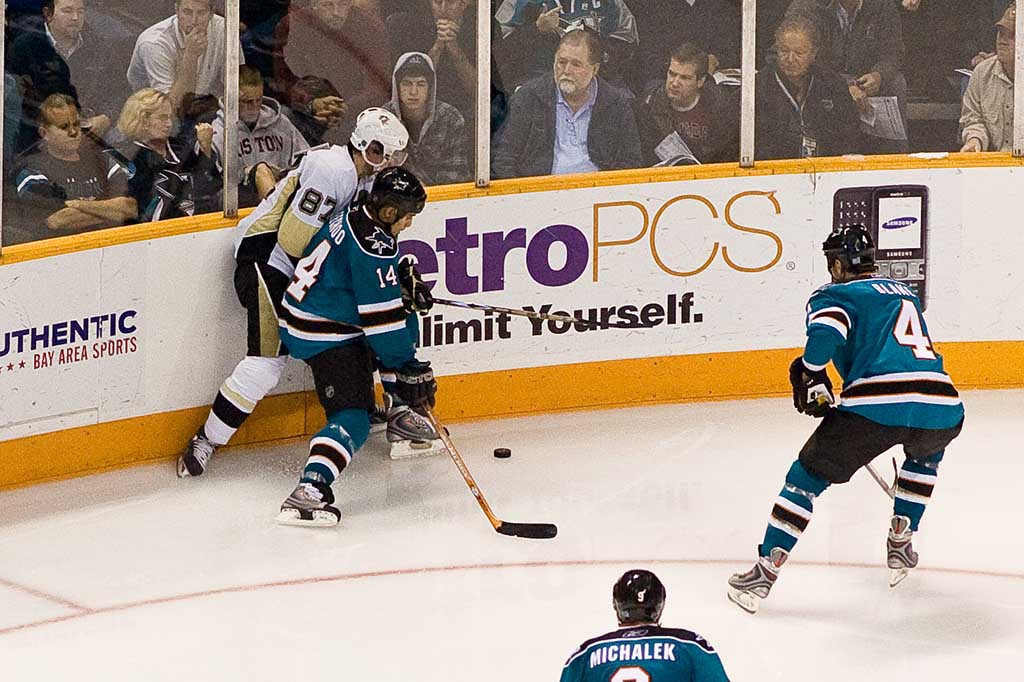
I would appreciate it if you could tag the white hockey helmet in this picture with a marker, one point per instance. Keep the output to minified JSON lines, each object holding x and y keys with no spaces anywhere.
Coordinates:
{"x":380,"y":126}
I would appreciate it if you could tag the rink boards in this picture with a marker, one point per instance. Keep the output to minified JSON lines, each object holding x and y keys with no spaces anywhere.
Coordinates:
{"x":112,"y":344}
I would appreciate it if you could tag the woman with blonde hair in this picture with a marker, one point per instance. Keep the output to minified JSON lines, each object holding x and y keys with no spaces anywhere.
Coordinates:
{"x":160,"y":167}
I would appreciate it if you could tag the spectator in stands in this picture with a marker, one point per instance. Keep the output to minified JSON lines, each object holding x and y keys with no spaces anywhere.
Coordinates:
{"x":986,"y":118}
{"x":265,"y":136}
{"x":438,"y":138}
{"x":182,"y":54}
{"x":340,"y":43}
{"x":803,"y":109}
{"x":570,"y":120}
{"x":12,"y":121}
{"x":159,"y":168}
{"x":446,"y":31}
{"x":317,"y":110}
{"x":65,"y":57}
{"x":689,"y":107}
{"x":863,"y":41}
{"x":712,"y":25}
{"x":64,"y":186}
{"x":978,"y":44}
{"x":531,"y":30}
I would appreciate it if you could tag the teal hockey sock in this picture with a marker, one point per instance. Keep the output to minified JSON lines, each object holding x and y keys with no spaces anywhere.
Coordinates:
{"x":914,"y":486}
{"x":332,"y":448}
{"x":793,"y":509}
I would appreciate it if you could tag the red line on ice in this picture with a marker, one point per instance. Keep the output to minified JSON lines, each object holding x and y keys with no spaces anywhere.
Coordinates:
{"x":343,"y":577}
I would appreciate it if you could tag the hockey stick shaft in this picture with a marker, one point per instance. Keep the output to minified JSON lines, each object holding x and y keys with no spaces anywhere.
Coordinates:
{"x":553,"y":317}
{"x":525,"y":530}
{"x":881,"y":483}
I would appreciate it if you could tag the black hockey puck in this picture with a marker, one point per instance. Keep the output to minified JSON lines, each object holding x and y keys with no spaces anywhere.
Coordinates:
{"x":502,"y":453}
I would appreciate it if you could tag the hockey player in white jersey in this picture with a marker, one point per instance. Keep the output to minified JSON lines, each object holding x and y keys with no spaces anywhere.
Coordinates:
{"x":268,"y":242}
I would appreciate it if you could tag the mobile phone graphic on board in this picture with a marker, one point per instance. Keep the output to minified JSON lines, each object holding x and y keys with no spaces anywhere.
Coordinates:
{"x":897,"y":218}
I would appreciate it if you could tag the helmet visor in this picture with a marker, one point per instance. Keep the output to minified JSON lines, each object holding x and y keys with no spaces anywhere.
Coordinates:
{"x":380,"y":157}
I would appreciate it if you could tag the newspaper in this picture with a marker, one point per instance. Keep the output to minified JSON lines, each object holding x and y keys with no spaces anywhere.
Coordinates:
{"x":673,"y":151}
{"x":883,"y":119}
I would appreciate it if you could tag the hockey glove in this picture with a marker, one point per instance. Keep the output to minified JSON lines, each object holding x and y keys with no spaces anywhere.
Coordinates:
{"x":415,"y":383}
{"x":416,"y":295}
{"x":812,"y":391}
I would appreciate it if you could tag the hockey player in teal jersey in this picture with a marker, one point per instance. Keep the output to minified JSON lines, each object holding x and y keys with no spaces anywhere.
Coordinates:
{"x":641,"y":650}
{"x":343,"y":308}
{"x":895,"y":392}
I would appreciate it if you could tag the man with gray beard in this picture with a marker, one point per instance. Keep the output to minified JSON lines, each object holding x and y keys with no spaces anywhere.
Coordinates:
{"x":571,"y":121}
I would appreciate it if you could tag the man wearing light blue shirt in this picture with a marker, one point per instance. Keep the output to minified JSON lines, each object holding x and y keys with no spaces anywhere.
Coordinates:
{"x":577,"y":92}
{"x":570,"y":121}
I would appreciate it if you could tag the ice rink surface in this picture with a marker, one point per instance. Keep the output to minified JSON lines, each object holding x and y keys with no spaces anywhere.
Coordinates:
{"x":136,"y":575}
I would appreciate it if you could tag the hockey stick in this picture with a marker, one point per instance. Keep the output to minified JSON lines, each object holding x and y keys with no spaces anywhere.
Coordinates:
{"x":522,"y":530}
{"x":890,"y":490}
{"x":621,"y":324}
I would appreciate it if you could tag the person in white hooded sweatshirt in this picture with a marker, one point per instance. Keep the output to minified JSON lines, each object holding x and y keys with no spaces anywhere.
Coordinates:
{"x":265,"y":136}
{"x":438,"y":139}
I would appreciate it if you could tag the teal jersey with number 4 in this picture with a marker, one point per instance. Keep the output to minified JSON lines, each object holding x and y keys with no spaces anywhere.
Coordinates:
{"x":346,"y":287}
{"x":645,"y":653}
{"x":873,"y":331}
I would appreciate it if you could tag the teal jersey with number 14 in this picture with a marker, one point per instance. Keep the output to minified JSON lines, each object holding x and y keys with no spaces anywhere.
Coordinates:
{"x":346,"y":287}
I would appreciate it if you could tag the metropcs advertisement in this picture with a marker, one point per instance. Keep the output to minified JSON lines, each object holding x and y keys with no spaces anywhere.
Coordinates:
{"x":691,"y":267}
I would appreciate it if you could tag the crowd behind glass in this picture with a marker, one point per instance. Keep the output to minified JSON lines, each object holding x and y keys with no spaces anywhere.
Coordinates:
{"x":112,"y":110}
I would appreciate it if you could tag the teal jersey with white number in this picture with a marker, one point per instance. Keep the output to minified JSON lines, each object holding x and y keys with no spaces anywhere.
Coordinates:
{"x":873,"y":332}
{"x":346,"y":287}
{"x":646,"y":653}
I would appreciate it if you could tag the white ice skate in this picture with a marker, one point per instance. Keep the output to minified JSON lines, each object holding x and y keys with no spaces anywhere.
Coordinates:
{"x":747,"y":590}
{"x":901,"y":556}
{"x":411,"y":435}
{"x":310,"y":504}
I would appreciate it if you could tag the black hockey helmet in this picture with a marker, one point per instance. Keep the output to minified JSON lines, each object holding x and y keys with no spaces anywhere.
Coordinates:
{"x":639,"y":597}
{"x":399,"y":188}
{"x":853,"y":246}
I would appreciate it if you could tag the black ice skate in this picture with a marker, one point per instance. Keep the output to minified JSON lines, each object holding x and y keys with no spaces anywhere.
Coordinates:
{"x":310,"y":504}
{"x":747,"y":590}
{"x":197,"y":455}
{"x":901,"y":556}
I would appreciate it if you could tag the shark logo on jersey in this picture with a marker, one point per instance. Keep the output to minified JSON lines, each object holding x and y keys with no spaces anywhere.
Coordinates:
{"x":380,"y":241}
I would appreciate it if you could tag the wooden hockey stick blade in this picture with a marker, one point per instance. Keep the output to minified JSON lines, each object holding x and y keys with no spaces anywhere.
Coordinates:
{"x":537,"y":531}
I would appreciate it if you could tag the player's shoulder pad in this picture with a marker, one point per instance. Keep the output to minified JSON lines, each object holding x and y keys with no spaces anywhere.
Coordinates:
{"x":371,"y":238}
{"x":614,"y":634}
{"x":684,"y":635}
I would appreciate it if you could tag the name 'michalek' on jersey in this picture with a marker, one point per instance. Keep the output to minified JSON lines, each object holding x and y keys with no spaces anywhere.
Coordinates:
{"x":346,"y":287}
{"x":874,"y":333}
{"x":646,"y":653}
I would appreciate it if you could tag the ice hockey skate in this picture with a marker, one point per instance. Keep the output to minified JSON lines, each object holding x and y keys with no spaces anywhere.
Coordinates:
{"x":310,"y":504}
{"x":747,"y":590}
{"x":197,"y":455}
{"x":410,"y":434}
{"x":901,"y":556}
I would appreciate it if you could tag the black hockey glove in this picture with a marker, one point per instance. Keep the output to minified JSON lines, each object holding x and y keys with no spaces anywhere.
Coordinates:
{"x":416,"y":295}
{"x":812,"y":391}
{"x":415,"y":383}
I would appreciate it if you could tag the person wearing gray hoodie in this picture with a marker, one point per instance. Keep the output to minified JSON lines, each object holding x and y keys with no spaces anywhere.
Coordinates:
{"x":265,"y":135}
{"x":438,"y":137}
